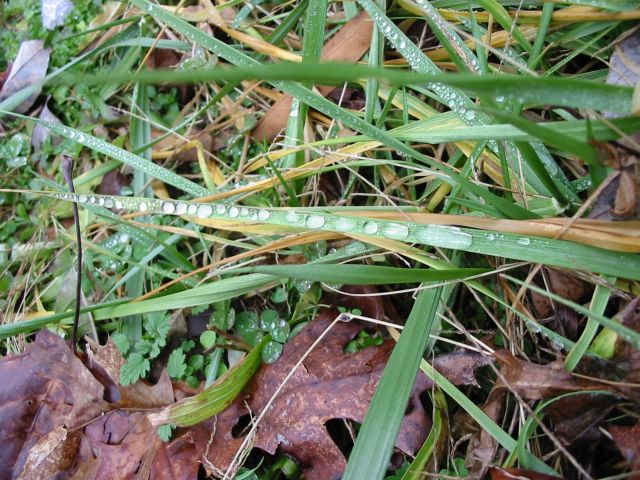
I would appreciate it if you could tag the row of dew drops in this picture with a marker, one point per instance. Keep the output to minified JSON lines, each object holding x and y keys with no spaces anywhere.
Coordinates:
{"x":446,"y":236}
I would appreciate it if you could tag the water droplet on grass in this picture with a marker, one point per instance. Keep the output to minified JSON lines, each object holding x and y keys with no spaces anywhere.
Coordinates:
{"x":344,"y":224}
{"x":192,"y":209}
{"x":370,"y":228}
{"x":168,"y":208}
{"x":293,"y":217}
{"x":181,"y":208}
{"x":396,"y":231}
{"x":440,"y":236}
{"x":233,"y":212}
{"x":221,"y":209}
{"x":263,"y":214}
{"x":204,"y":211}
{"x":315,"y":221}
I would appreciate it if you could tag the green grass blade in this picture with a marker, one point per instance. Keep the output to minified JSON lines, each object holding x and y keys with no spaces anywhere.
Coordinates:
{"x":214,"y":399}
{"x":485,"y":422}
{"x":203,"y":295}
{"x":436,"y":434}
{"x":362,"y":274}
{"x":135,"y":161}
{"x":558,"y":253}
{"x":623,"y":331}
{"x":568,"y":92}
{"x":601,"y":296}
{"x":382,"y":422}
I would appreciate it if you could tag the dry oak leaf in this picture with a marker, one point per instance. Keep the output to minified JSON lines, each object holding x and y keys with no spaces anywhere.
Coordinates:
{"x":331,"y":384}
{"x":44,"y":388}
{"x":534,"y":382}
{"x":52,"y":415}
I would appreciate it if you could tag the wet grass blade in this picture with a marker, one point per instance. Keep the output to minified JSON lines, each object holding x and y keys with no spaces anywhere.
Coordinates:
{"x":134,"y":161}
{"x":362,"y":274}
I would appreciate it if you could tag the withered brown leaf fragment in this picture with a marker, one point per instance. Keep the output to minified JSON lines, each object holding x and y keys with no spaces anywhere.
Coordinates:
{"x":534,"y":382}
{"x":42,"y":389}
{"x":105,"y":362}
{"x":576,"y":418}
{"x":29,"y":68}
{"x":348,"y":45}
{"x":331,"y":384}
{"x":627,"y":440}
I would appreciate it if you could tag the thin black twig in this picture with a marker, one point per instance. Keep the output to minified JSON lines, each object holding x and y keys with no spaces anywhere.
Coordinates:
{"x":67,"y":171}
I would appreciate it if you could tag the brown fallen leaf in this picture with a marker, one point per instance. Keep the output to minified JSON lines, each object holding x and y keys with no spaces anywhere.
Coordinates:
{"x":331,"y":384}
{"x":482,"y":446}
{"x":113,"y":183}
{"x":53,"y":453}
{"x":29,"y":68}
{"x":348,"y":45}
{"x":627,"y":439}
{"x":576,"y":418}
{"x":43,"y":388}
{"x":105,"y":362}
{"x":59,"y":418}
{"x":119,"y":442}
{"x":534,"y":382}
{"x":41,"y":133}
{"x":624,"y":66}
{"x":564,"y":319}
{"x":626,"y":357}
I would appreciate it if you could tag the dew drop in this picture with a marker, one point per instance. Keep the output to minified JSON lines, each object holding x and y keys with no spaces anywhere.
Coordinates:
{"x":315,"y":221}
{"x":119,"y":205}
{"x":92,"y":199}
{"x":396,"y":231}
{"x":293,"y":217}
{"x":82,"y":198}
{"x":233,"y":211}
{"x":370,"y":228}
{"x":108,"y":203}
{"x":244,"y":212}
{"x":142,"y":206}
{"x":263,"y":214}
{"x":181,"y":208}
{"x":523,"y":241}
{"x":440,"y":236}
{"x":344,"y":224}
{"x":204,"y":211}
{"x":101,"y":201}
{"x":221,"y":209}
{"x":168,"y":207}
{"x":192,"y":209}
